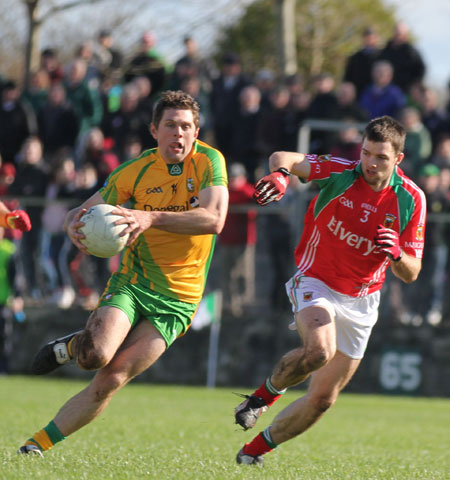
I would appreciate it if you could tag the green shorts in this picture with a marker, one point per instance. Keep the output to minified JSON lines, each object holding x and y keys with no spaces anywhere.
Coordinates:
{"x":170,"y":317}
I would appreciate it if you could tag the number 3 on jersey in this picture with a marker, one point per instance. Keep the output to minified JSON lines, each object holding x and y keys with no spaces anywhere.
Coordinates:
{"x":365,"y":217}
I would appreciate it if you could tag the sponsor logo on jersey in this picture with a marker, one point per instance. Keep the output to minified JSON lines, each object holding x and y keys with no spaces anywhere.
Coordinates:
{"x":190,"y":184}
{"x":351,"y":239}
{"x":415,"y":245}
{"x":175,"y":170}
{"x":194,"y":202}
{"x":369,"y":207}
{"x":307,"y":296}
{"x":419,"y":232}
{"x":346,"y":202}
{"x":168,"y":208}
{"x":154,"y":190}
{"x":389,"y":220}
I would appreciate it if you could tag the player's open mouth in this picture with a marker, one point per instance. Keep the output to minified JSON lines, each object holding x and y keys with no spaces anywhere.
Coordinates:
{"x":177,"y":147}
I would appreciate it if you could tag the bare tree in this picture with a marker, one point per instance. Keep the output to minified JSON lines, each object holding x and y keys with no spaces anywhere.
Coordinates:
{"x":28,"y":26}
{"x":35,"y":19}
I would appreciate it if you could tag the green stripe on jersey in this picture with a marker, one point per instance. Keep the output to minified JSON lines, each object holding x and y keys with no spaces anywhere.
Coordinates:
{"x":141,"y":174}
{"x":216,"y":166}
{"x":332,"y":189}
{"x":152,"y":272}
{"x":405,"y":205}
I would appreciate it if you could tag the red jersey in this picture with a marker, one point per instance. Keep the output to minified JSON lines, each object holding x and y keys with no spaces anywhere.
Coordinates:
{"x":337,"y":244}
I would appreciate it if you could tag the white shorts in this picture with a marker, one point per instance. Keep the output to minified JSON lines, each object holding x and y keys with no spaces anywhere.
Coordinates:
{"x":354,"y":316}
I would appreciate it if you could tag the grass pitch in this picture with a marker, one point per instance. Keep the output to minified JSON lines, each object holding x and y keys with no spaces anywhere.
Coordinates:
{"x":184,"y":433}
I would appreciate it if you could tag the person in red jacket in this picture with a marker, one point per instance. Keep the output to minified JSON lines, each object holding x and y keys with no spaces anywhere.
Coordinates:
{"x":237,"y":243}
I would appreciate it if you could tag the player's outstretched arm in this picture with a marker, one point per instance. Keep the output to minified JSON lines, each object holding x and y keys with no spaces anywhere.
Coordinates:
{"x":273,"y":186}
{"x":295,"y":163}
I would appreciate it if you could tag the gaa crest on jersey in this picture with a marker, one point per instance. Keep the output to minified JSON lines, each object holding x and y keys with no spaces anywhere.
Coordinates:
{"x":389,"y":220}
{"x":194,"y":202}
{"x":175,"y":169}
{"x":419,"y":232}
{"x":190,"y":184}
{"x":324,"y":158}
{"x":307,"y":296}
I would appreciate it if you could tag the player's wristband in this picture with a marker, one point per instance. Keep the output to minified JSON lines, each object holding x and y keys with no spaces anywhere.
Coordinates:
{"x":284,"y":171}
{"x":399,"y":257}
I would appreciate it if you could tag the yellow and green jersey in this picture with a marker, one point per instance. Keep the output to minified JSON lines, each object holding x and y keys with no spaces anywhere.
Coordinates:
{"x":173,"y":264}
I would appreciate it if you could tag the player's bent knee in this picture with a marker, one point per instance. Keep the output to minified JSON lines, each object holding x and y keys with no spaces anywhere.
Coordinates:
{"x":317,"y":358}
{"x":92,"y":360}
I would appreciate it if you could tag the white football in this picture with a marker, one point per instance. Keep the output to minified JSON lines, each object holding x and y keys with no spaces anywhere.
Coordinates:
{"x":102,"y":236}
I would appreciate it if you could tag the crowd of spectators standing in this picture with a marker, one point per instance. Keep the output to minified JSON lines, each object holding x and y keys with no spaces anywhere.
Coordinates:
{"x":63,"y":133}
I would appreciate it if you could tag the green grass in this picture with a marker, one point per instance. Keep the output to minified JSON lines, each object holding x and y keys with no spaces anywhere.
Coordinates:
{"x":183,"y":433}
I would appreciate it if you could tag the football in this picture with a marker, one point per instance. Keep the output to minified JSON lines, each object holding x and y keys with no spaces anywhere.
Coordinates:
{"x":102,"y":236}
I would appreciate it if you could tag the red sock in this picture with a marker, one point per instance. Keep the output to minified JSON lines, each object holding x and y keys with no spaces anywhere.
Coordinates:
{"x":258,"y":446}
{"x":268,"y":397}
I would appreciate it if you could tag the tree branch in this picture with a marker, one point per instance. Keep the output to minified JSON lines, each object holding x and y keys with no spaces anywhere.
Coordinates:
{"x":60,"y":8}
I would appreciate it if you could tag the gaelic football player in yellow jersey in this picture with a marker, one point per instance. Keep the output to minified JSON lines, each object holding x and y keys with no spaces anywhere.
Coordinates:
{"x":178,"y":200}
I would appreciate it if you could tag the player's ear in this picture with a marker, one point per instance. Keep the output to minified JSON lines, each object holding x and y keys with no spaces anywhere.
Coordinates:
{"x":400,"y":157}
{"x":154,"y":131}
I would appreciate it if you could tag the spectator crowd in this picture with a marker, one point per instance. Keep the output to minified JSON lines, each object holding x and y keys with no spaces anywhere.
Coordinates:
{"x":74,"y":123}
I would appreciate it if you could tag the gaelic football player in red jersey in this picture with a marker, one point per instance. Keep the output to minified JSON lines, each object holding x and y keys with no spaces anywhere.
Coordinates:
{"x":368,"y":216}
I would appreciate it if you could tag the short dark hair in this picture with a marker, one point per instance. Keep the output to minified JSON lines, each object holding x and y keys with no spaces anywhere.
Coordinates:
{"x":386,"y":129}
{"x":49,"y":52}
{"x":175,"y":99}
